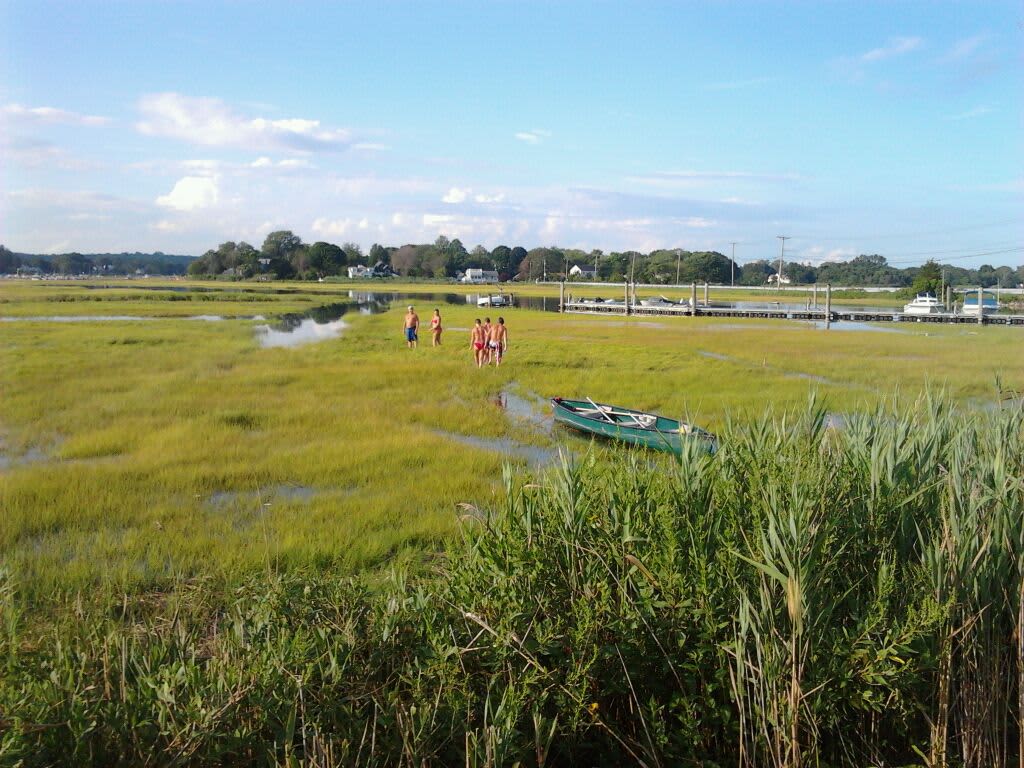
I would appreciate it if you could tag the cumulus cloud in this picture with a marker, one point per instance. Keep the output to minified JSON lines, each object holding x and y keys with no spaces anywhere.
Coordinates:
{"x":536,"y":136}
{"x":333,"y":227}
{"x":211,"y":122}
{"x":192,"y":193}
{"x":897,"y":46}
{"x":490,"y":199}
{"x":456,"y":195}
{"x":49,"y":116}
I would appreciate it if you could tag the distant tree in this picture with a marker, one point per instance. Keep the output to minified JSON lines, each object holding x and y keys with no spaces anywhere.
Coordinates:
{"x":280,"y":244}
{"x":378,"y":253}
{"x":72,"y":264}
{"x":928,"y":278}
{"x":756,"y":272}
{"x":9,"y":263}
{"x":503,"y":262}
{"x":326,"y":259}
{"x":353,"y":252}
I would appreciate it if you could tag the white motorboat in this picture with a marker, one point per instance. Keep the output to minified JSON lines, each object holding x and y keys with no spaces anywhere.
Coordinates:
{"x":989,"y":303}
{"x":494,"y":300}
{"x":923,"y":304}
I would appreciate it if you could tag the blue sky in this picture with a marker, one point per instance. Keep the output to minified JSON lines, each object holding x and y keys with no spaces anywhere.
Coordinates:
{"x":892,"y":128}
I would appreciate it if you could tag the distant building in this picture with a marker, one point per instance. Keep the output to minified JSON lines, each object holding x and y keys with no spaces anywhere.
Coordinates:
{"x":360,"y":271}
{"x":479,"y":276}
{"x":584,"y":272}
{"x":773,"y":279}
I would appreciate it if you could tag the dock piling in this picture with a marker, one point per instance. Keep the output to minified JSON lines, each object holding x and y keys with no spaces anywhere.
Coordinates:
{"x":561,"y":296}
{"x":705,"y":293}
{"x":693,"y":299}
{"x":981,"y":307}
{"x":828,"y":306}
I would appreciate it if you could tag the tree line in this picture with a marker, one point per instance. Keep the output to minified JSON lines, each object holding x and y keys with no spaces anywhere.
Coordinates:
{"x":75,"y":263}
{"x":283,"y":255}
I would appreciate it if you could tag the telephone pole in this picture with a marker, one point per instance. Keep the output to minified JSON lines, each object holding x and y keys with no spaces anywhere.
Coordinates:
{"x":782,"y":252}
{"x":732,"y":267}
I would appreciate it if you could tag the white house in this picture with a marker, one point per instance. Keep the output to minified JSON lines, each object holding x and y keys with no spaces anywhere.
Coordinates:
{"x":585,"y":272}
{"x":772,"y":279}
{"x":360,"y":271}
{"x":480,"y":276}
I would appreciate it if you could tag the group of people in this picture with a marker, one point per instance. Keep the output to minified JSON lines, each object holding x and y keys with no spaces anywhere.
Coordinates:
{"x":487,"y":340}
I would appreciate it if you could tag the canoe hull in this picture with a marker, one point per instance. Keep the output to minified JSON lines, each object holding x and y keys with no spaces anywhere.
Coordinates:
{"x":663,"y":434}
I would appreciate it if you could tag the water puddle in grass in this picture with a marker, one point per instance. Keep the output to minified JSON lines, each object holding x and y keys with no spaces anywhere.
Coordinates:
{"x":111,"y":318}
{"x":718,"y":356}
{"x":31,"y":456}
{"x":852,"y":325}
{"x":529,"y":407}
{"x":535,"y":456}
{"x":267,"y":496}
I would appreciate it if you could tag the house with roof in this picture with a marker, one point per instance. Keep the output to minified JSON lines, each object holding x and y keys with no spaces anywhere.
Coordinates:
{"x":583,"y":272}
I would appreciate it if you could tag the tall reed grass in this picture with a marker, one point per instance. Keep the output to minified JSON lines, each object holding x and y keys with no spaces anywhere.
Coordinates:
{"x":806,"y":596}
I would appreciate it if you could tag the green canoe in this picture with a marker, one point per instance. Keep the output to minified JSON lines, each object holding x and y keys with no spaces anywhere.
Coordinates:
{"x":635,"y":427}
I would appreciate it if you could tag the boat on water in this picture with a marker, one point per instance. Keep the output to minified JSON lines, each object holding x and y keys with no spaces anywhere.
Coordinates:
{"x":494,"y":300}
{"x":661,"y":301}
{"x":989,"y":303}
{"x":649,"y":430}
{"x":923,"y":304}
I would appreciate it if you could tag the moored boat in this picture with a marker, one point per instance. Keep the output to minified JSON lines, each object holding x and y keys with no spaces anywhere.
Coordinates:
{"x":989,"y":303}
{"x":923,"y":304}
{"x":494,"y":300}
{"x":649,"y":430}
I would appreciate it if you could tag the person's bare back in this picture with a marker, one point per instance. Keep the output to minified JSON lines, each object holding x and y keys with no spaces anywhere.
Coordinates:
{"x":497,"y":340}
{"x":412,"y":325}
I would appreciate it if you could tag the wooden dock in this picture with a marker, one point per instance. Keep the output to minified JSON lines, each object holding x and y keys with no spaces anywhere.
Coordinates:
{"x":813,"y":315}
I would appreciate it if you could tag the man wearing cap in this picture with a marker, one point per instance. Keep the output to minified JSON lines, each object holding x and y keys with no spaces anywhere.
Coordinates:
{"x":412,"y":325}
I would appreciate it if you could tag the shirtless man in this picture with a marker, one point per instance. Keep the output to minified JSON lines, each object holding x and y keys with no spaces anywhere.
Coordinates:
{"x":478,"y":341}
{"x":487,"y":337}
{"x":497,"y":341}
{"x":412,"y":325}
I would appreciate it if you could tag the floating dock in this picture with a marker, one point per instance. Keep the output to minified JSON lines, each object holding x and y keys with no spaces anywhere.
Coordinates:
{"x":813,"y":315}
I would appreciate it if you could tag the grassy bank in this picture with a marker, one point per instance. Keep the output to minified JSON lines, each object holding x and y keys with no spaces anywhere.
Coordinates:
{"x":136,"y":453}
{"x":806,"y":596}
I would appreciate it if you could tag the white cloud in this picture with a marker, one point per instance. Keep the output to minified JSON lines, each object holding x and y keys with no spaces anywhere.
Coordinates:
{"x":536,"y":136}
{"x":456,"y":195}
{"x":897,"y":46}
{"x":332,"y":227}
{"x":261,"y":162}
{"x":965,"y":48}
{"x":432,"y":220}
{"x":50,"y":115}
{"x":490,"y":199}
{"x":691,"y":178}
{"x":192,"y":193}
{"x":976,"y":112}
{"x":366,"y":146}
{"x":211,"y":122}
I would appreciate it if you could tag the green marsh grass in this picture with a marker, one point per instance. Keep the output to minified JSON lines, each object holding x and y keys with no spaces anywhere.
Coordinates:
{"x":806,"y":596}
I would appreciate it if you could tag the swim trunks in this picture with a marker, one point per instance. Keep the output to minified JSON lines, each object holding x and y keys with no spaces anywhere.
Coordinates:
{"x":410,"y":334}
{"x":478,"y":345}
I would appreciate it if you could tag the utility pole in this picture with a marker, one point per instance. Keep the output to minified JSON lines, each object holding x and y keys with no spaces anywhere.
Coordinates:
{"x":732,"y":267}
{"x":782,"y":252}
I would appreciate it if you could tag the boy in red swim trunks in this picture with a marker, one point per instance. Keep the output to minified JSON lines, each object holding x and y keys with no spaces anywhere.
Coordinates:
{"x":478,"y":341}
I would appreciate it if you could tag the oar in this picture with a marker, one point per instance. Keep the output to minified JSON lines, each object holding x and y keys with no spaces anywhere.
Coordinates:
{"x":598,"y":408}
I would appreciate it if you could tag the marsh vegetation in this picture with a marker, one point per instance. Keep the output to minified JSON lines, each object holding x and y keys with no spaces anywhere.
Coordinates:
{"x":219,"y":553}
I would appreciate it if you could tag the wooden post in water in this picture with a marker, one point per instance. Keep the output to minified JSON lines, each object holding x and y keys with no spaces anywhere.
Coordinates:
{"x":705,"y":293}
{"x":693,"y":299}
{"x":828,"y":306}
{"x":561,"y":296}
{"x":815,"y":295}
{"x":981,"y":308}
{"x":627,"y":298}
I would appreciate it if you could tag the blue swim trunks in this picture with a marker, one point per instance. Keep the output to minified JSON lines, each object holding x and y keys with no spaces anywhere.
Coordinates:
{"x":410,"y":334}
